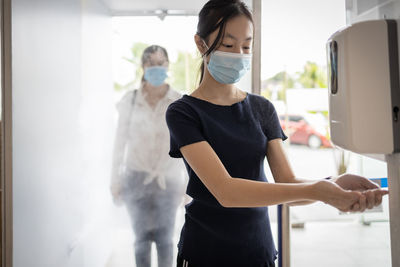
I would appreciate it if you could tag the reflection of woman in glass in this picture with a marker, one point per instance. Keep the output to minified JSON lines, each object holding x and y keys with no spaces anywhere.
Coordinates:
{"x":224,"y":135}
{"x":150,"y":183}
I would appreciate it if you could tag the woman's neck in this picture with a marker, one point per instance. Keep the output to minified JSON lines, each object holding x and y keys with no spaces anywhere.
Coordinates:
{"x":154,"y":91}
{"x":154,"y":94}
{"x":211,"y":90}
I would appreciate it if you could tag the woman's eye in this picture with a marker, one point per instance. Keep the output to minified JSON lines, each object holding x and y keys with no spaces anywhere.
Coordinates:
{"x":228,"y":46}
{"x":246,"y":47}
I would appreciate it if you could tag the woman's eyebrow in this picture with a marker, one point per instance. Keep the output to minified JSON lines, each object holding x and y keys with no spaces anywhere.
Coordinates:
{"x":228,"y":35}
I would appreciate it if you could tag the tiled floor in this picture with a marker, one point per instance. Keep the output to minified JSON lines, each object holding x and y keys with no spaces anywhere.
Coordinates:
{"x":340,"y":244}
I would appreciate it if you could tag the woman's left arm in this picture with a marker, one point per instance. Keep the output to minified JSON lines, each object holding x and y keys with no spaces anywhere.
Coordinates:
{"x":280,"y":167}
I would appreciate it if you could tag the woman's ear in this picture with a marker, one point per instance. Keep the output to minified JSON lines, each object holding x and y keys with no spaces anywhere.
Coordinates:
{"x":200,"y":44}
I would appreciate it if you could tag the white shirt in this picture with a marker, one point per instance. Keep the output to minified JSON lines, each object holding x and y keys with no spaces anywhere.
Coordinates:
{"x":142,"y":140}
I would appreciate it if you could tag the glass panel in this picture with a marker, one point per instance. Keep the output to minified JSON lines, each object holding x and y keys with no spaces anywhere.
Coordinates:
{"x":146,"y":123}
{"x":184,"y":67}
{"x":72,"y":65}
{"x":1,"y":139}
{"x":294,"y":74}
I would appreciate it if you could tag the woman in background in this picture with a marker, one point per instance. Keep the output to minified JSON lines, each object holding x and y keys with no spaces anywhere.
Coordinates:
{"x":144,"y":177}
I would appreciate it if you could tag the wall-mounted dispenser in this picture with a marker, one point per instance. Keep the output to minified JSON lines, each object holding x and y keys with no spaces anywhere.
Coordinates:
{"x":364,"y":92}
{"x":364,"y":101}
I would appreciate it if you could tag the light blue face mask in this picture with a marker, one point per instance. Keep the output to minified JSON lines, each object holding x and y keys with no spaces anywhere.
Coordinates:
{"x":227,"y":67}
{"x":155,"y":75}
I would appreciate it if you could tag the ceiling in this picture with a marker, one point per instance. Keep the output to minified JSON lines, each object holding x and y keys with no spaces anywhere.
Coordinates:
{"x":156,"y":7}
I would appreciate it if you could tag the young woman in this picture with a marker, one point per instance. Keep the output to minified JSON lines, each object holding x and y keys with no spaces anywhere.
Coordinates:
{"x":224,"y":135}
{"x":151,"y":184}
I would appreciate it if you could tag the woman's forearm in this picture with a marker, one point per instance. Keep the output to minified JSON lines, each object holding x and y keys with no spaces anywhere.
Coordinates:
{"x":240,"y":192}
{"x":301,"y":202}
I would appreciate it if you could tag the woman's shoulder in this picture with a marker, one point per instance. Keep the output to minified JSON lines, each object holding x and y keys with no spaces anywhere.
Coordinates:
{"x":180,"y":104}
{"x":260,"y":102}
{"x":259,"y":99}
{"x":126,"y":100}
{"x":128,"y":95}
{"x":173,"y":94}
{"x":184,"y":109}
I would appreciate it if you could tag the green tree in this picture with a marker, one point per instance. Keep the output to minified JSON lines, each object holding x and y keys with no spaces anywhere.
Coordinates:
{"x":313,"y":76}
{"x":136,"y":59}
{"x":282,"y":78}
{"x":185,"y":72}
{"x":280,"y":81}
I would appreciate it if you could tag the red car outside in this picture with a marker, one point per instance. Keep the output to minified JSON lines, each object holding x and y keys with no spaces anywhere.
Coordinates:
{"x":308,"y":129}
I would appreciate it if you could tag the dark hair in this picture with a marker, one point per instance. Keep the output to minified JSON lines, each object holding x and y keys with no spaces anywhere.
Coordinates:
{"x":214,"y":15}
{"x":151,"y":50}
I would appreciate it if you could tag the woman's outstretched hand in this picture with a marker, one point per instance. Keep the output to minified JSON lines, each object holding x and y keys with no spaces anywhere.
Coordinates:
{"x":332,"y":194}
{"x":116,"y":193}
{"x":371,"y":192}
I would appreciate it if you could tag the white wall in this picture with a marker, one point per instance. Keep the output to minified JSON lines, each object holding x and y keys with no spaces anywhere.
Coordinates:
{"x":61,"y":131}
{"x":361,"y":10}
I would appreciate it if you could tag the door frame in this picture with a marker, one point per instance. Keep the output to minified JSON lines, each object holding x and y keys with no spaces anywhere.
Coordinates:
{"x":256,"y":60}
{"x":6,"y":137}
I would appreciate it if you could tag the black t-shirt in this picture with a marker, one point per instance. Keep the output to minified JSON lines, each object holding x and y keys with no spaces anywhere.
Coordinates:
{"x":212,"y":234}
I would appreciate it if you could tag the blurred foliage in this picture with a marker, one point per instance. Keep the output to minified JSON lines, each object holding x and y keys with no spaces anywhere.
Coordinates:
{"x":120,"y":87}
{"x":283,"y":78}
{"x":135,"y":59}
{"x":266,"y":93}
{"x":278,"y":83}
{"x":343,"y":163}
{"x":324,"y":112}
{"x":313,"y":76}
{"x":184,"y":72}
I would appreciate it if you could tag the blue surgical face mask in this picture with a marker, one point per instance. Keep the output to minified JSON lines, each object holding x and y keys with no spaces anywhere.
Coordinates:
{"x":227,"y":67}
{"x":155,"y":75}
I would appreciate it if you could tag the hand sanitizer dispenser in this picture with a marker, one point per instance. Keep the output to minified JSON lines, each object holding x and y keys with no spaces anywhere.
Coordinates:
{"x":364,"y":92}
{"x":364,"y":101}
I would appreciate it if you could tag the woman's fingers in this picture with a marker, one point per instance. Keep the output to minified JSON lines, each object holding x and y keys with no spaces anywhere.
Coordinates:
{"x":374,"y":197}
{"x":378,"y":199}
{"x":355,"y":207}
{"x":116,"y":190}
{"x":351,"y":201}
{"x":335,"y":196}
{"x":360,"y":205}
{"x":370,"y":195}
{"x":368,"y":184}
{"x":346,"y":200}
{"x":383,"y":191}
{"x":355,"y":201}
{"x":363,"y":203}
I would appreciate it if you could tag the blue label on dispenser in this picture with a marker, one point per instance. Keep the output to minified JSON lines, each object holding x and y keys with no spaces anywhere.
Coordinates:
{"x":381,"y":181}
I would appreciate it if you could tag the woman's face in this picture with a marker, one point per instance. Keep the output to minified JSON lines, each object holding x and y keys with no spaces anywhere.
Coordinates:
{"x":237,"y":38}
{"x":156,"y":59}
